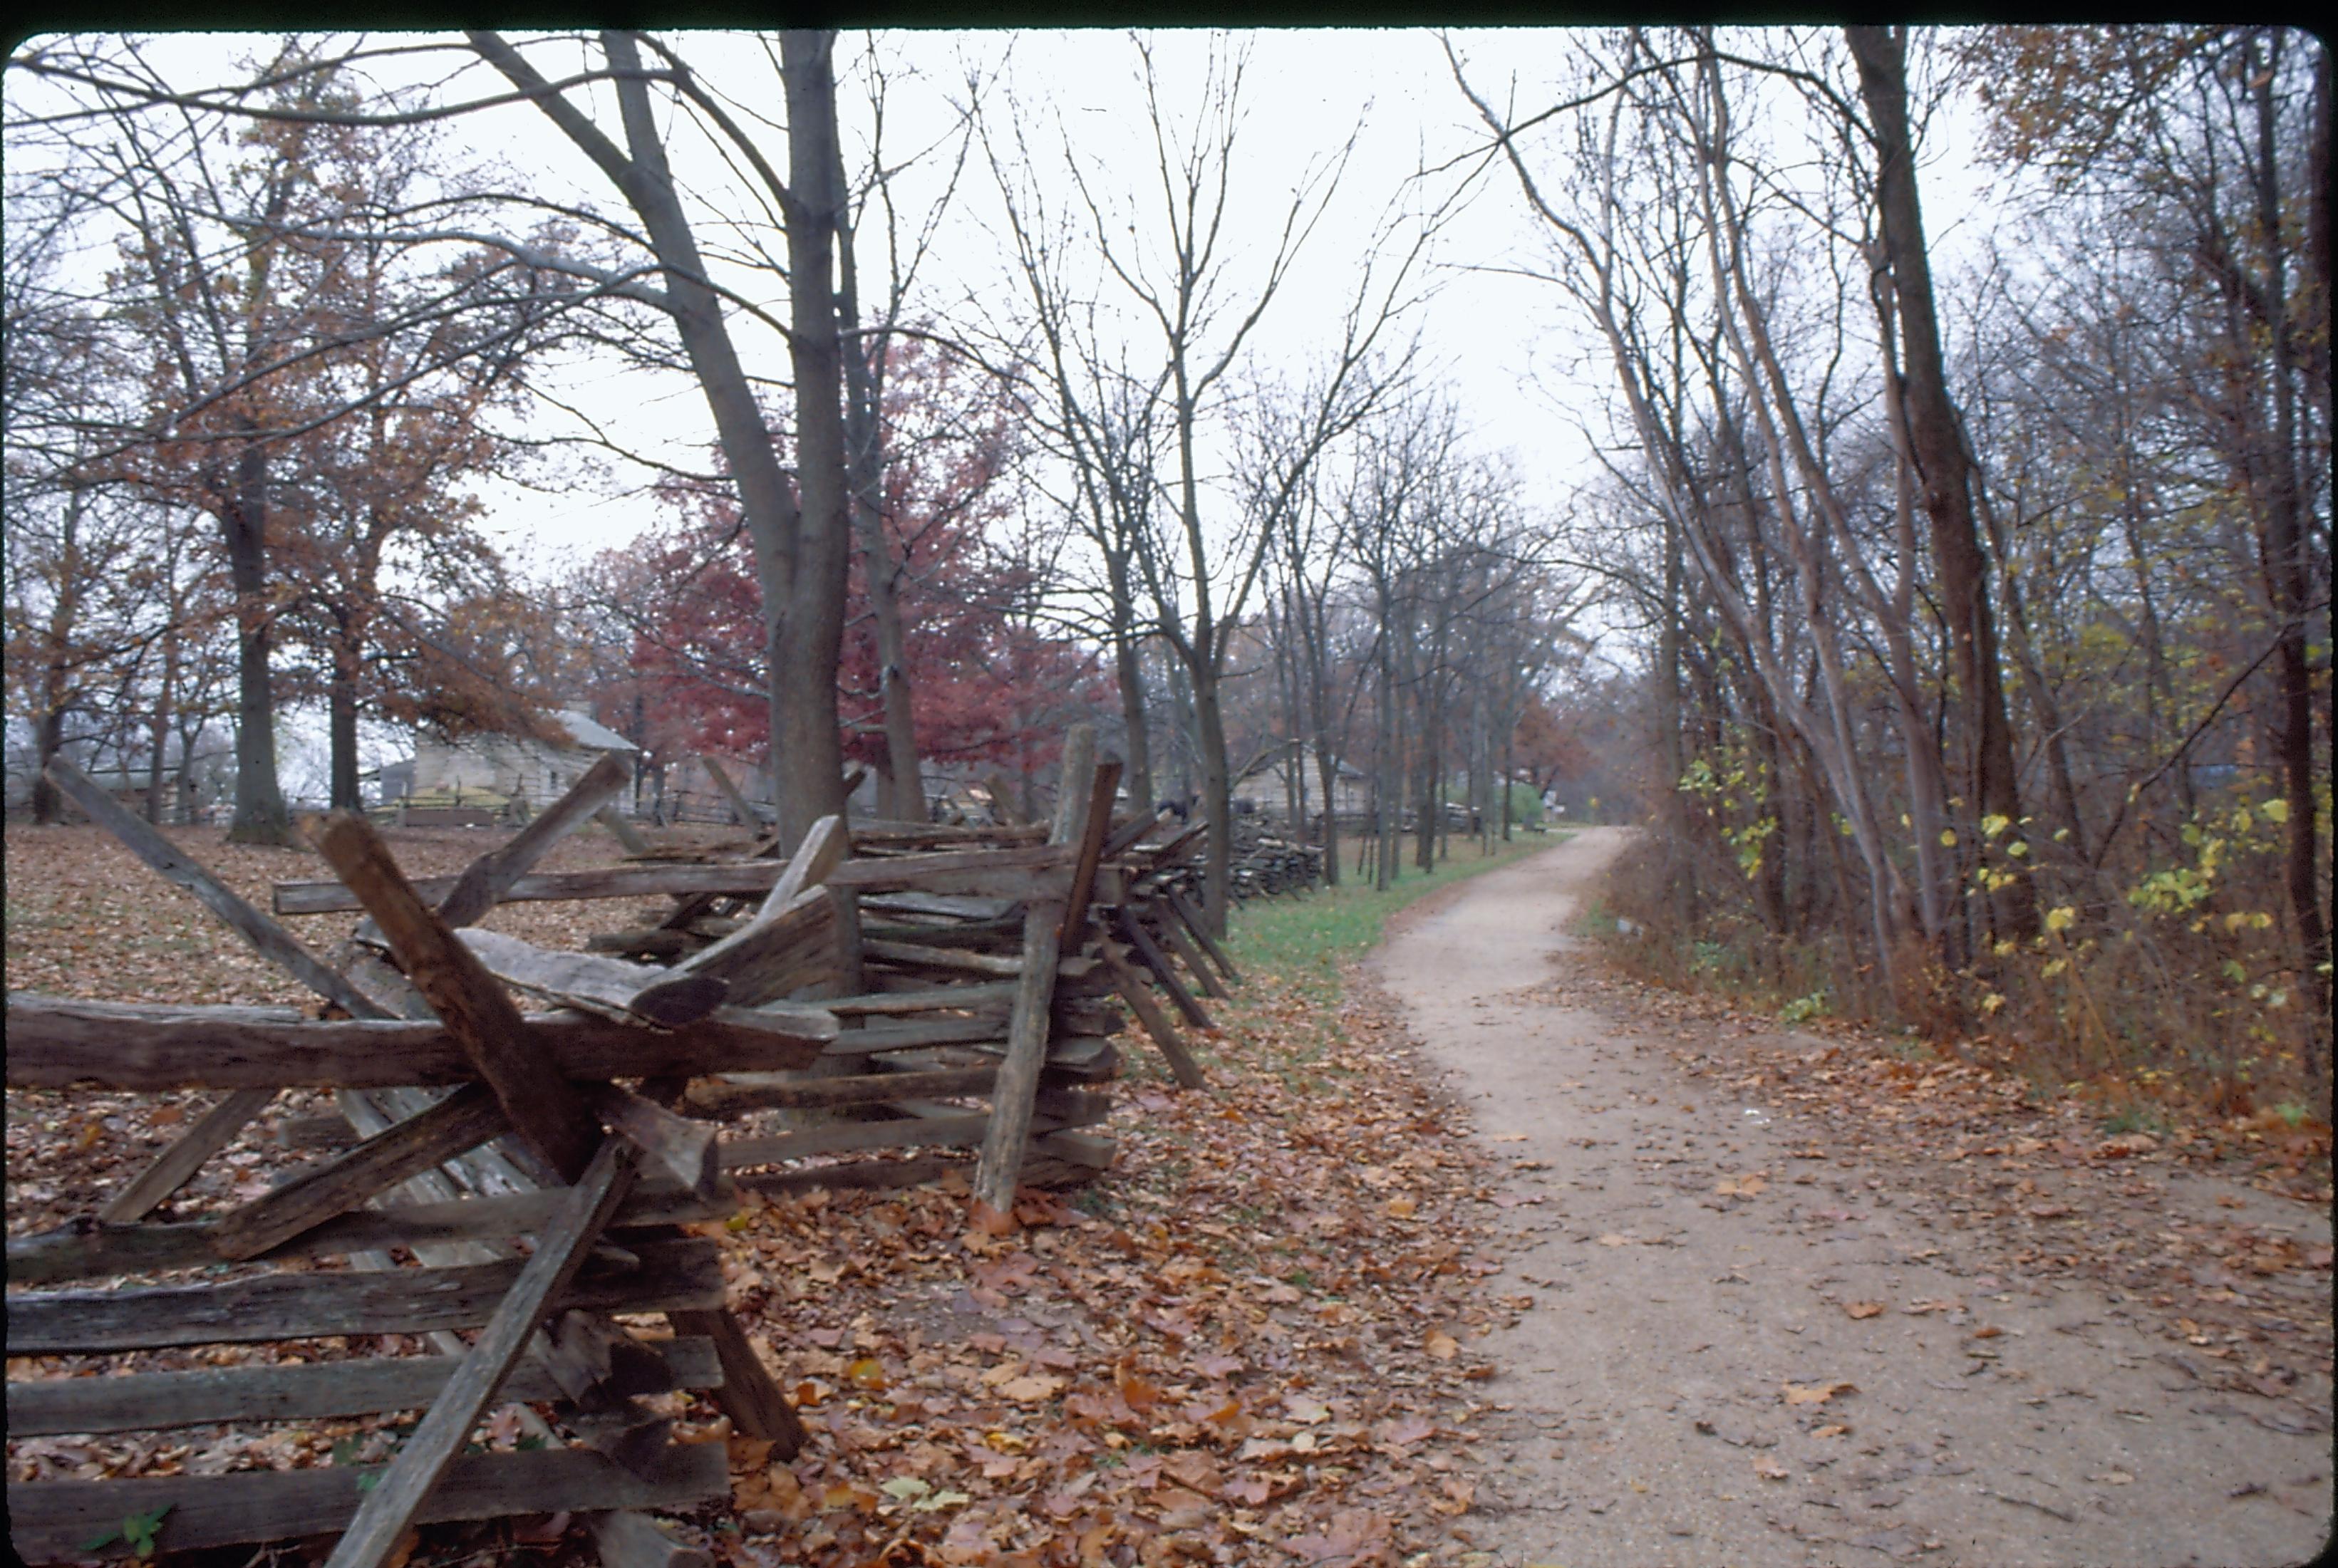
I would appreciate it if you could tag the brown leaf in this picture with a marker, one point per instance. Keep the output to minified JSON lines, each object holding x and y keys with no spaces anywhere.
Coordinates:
{"x":1817,"y":1393}
{"x":1441,"y":1345}
{"x":1864,"y":1308}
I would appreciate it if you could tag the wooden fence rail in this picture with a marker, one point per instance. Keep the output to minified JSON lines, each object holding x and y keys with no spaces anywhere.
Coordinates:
{"x":909,"y":988}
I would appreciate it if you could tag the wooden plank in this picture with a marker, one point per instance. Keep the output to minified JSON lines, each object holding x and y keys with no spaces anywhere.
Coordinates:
{"x":947,"y":959}
{"x":1088,"y":1149}
{"x":907,"y":872}
{"x":964,"y":1129}
{"x":748,"y":1396}
{"x":918,"y":1035}
{"x":672,"y":1274}
{"x":992,"y":999}
{"x":481,"y":885}
{"x":1133,"y":991}
{"x":560,"y":1252}
{"x":853,"y":1175}
{"x":628,"y":836}
{"x":315,"y":1391}
{"x":993,"y":1204}
{"x":1174,"y":929}
{"x":462,"y":1122}
{"x":271,"y":941}
{"x":1002,"y":801}
{"x":770,"y":956}
{"x":937,"y":1127}
{"x":683,"y":1148}
{"x":176,"y":1165}
{"x":723,"y":1097}
{"x":739,"y":878}
{"x":974,"y":933}
{"x":330,"y":1131}
{"x":59,"y":1043}
{"x":1101,"y":788}
{"x":741,"y":807}
{"x":1133,"y":931}
{"x":50,"y":1520}
{"x":1199,"y":928}
{"x":1124,"y":836}
{"x":609,"y":986}
{"x":86,"y":1251}
{"x":827,"y":844}
{"x":879,"y":834}
{"x":943,"y":905}
{"x":544,"y":1106}
{"x":758,"y":962}
{"x":629,"y":1540}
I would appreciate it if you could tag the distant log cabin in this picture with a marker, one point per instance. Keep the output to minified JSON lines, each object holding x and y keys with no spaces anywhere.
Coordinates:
{"x":517,"y":767}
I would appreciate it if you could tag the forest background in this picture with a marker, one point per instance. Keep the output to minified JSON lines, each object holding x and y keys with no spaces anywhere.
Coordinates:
{"x":1893,"y":467}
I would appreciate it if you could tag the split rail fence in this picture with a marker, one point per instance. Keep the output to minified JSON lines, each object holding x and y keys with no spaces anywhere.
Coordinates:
{"x":886,"y":974}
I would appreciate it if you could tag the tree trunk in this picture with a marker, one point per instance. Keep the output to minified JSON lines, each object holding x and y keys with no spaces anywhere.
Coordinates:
{"x":1936,"y":442}
{"x":341,"y":719}
{"x":2286,"y":574}
{"x":902,"y":795}
{"x":807,"y":754}
{"x":1217,"y":791}
{"x":261,"y":816}
{"x":801,"y":553}
{"x":1128,"y":664}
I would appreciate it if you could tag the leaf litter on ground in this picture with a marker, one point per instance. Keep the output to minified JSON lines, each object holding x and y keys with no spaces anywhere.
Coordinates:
{"x":1248,"y":1342}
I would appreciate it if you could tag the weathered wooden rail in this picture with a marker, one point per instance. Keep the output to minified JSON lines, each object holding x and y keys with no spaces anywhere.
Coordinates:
{"x":905,"y":987}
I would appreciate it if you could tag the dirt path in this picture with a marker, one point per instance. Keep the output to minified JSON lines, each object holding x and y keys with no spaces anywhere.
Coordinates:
{"x":1664,"y":1389}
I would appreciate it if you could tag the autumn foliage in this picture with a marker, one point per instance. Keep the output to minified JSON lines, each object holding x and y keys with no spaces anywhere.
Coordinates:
{"x":989,"y":683}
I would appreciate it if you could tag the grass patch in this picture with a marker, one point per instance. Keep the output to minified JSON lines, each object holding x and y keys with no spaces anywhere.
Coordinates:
{"x":1302,"y":941}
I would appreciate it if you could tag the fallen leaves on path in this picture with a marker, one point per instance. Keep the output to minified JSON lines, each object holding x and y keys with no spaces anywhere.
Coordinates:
{"x":2031,"y":1187}
{"x":1818,"y":1393}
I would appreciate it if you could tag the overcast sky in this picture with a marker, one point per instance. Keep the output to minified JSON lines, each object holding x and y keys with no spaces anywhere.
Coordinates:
{"x":1503,"y":347}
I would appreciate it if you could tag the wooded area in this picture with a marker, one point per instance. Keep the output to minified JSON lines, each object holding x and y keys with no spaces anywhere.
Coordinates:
{"x":1989,"y":634}
{"x":1049,"y":523}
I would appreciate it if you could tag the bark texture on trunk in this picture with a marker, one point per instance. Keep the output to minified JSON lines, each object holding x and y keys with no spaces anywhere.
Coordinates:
{"x":261,"y":815}
{"x":902,"y":792}
{"x":1937,"y":445}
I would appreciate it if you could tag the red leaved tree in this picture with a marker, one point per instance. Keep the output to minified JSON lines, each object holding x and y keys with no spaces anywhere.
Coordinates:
{"x":988,"y":683}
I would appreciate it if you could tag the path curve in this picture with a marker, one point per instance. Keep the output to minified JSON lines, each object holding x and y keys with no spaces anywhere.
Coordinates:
{"x":1649,"y":1420}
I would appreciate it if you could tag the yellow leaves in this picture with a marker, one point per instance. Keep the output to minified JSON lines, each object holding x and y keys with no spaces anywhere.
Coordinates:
{"x":1818,"y":1393}
{"x":1402,"y":1208}
{"x":1948,"y":837}
{"x":1441,"y":1345}
{"x":865,"y":1373}
{"x":1992,"y":825}
{"x":2274,"y":810}
{"x":1864,"y":1308}
{"x":2060,"y":918}
{"x":1993,"y":1002}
